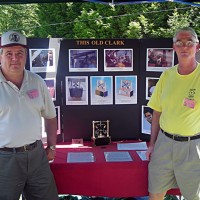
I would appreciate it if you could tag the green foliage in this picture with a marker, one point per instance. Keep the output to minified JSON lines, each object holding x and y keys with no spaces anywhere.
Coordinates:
{"x":71,"y":197}
{"x":134,"y":30}
{"x":170,"y":197}
{"x":18,"y":17}
{"x":95,"y":20}
{"x":56,"y":20}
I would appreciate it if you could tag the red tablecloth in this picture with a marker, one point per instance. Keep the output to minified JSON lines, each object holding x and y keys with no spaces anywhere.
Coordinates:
{"x":100,"y":178}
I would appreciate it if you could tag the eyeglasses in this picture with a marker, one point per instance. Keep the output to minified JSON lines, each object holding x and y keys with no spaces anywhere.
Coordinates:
{"x":187,"y":44}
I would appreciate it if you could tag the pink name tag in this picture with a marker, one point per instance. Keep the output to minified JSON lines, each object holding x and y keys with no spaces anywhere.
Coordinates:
{"x":33,"y":93}
{"x":189,"y":103}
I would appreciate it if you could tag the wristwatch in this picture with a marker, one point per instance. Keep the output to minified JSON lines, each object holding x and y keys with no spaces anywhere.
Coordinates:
{"x":52,"y":147}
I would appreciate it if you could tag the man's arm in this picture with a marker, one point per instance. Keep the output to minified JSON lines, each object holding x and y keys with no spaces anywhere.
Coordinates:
{"x":155,"y":127}
{"x":51,"y":130}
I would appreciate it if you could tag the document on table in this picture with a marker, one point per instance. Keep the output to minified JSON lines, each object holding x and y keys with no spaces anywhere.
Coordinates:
{"x":132,"y":146}
{"x":117,"y":156}
{"x":80,"y":157}
{"x":142,"y":155}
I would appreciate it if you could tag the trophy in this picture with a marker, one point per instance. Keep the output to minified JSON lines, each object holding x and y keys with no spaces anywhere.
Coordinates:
{"x":126,"y":88}
{"x":101,"y":89}
{"x":101,"y":133}
{"x":75,"y":88}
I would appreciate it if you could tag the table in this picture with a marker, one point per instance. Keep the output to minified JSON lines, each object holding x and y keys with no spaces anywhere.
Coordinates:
{"x":100,"y":178}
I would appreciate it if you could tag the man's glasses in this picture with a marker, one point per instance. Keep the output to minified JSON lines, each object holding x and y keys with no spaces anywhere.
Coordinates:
{"x":187,"y":44}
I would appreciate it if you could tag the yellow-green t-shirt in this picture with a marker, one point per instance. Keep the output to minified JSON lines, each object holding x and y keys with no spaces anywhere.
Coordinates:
{"x":175,"y":96}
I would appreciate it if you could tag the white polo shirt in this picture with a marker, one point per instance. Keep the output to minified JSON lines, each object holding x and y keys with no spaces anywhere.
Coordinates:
{"x":21,"y":110}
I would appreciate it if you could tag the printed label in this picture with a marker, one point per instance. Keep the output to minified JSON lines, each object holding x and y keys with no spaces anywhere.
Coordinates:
{"x":33,"y":93}
{"x":189,"y":103}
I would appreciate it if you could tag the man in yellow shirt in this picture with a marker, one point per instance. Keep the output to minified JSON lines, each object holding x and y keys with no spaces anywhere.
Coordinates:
{"x":174,"y":150}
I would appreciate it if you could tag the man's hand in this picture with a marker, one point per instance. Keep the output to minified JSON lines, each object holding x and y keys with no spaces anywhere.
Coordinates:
{"x":149,"y":152}
{"x":50,"y":154}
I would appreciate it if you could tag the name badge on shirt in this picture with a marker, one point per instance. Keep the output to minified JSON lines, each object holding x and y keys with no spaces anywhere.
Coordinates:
{"x":189,"y":103}
{"x":33,"y":93}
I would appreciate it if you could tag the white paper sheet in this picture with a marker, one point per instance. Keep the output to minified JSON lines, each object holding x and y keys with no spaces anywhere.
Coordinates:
{"x":132,"y":146}
{"x":76,"y":157}
{"x":142,"y":155}
{"x":117,"y":156}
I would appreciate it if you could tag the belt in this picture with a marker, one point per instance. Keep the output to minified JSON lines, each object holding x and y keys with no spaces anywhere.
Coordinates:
{"x":181,"y":138}
{"x":27,"y":147}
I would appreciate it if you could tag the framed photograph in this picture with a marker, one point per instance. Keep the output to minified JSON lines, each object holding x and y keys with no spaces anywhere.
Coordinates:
{"x":101,"y":90}
{"x":44,"y":134}
{"x":51,"y":85}
{"x":42,"y":60}
{"x":118,"y":59}
{"x":159,"y":59}
{"x":146,"y":114}
{"x":150,"y":86}
{"x":76,"y":90}
{"x":83,"y":60}
{"x":125,"y":89}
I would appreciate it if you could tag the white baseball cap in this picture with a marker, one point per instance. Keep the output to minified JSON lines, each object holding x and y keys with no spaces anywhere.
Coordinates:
{"x":13,"y":38}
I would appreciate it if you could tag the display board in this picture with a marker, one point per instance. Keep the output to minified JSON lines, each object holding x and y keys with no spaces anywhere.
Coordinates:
{"x":101,"y":79}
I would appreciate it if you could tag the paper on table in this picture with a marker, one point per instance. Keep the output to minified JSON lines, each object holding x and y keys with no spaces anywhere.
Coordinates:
{"x":142,"y":155}
{"x":117,"y":156}
{"x":132,"y":146}
{"x":80,"y":157}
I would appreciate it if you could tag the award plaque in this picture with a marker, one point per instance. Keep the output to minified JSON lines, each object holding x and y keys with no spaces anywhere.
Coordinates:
{"x":101,"y":133}
{"x":126,"y":88}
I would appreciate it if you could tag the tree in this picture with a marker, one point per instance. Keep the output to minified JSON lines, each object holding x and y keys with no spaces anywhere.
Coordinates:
{"x":18,"y":17}
{"x":91,"y":25}
{"x":56,"y":20}
{"x":95,"y":20}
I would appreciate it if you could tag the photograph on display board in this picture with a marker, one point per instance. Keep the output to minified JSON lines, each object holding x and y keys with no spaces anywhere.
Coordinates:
{"x":76,"y":90}
{"x":147,"y":114}
{"x":126,"y":90}
{"x":42,"y":60}
{"x":51,"y":85}
{"x":118,"y":59}
{"x":150,"y":86}
{"x":83,"y":60}
{"x":101,"y":90}
{"x":44,"y":134}
{"x":159,"y":59}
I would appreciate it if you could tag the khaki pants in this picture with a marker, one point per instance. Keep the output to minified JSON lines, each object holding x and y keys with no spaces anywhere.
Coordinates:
{"x":175,"y":164}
